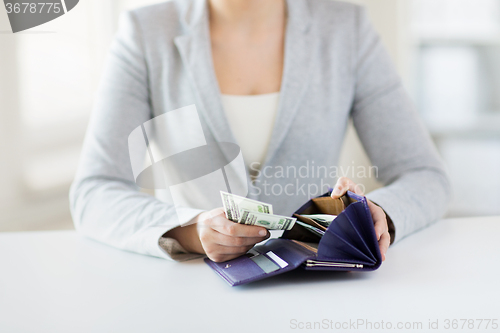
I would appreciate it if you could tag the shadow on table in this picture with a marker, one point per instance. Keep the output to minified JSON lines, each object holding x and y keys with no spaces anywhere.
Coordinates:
{"x":303,"y":277}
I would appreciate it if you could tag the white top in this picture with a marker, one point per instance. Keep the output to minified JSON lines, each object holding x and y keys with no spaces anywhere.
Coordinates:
{"x":252,"y":119}
{"x":63,"y":282}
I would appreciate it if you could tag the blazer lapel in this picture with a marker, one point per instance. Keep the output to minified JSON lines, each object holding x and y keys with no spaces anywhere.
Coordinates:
{"x":195,"y":50}
{"x":297,"y":63}
{"x":196,"y":53}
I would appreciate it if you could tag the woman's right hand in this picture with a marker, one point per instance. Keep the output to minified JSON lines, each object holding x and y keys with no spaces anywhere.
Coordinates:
{"x":223,"y":239}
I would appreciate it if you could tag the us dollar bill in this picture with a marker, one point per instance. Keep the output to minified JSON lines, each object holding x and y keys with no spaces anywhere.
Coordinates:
{"x":234,"y":204}
{"x":316,"y":231}
{"x":323,"y":219}
{"x":268,"y":221}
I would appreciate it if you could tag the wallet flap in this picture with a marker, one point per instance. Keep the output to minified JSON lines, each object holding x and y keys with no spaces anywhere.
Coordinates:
{"x":362,"y":221}
{"x":348,"y":230}
{"x":350,"y":238}
{"x":359,"y":214}
{"x":334,"y":247}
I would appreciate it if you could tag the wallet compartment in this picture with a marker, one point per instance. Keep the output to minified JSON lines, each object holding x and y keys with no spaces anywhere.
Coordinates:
{"x":275,"y":257}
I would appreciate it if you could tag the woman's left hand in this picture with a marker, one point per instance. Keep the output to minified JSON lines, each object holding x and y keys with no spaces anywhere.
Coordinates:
{"x":378,"y":215}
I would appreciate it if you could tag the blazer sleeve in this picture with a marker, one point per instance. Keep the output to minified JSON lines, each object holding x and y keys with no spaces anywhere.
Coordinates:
{"x":417,"y":189}
{"x":106,"y":204}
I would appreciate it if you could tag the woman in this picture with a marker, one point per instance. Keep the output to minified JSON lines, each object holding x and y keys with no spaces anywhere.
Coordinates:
{"x":306,"y":66}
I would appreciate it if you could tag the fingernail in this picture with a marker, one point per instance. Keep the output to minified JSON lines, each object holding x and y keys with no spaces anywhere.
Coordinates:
{"x":263,"y":232}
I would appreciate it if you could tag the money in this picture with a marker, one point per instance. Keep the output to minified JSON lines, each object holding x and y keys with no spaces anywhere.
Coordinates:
{"x":312,"y":229}
{"x":234,"y":204}
{"x":323,"y":219}
{"x":268,"y":221}
{"x":252,"y":212}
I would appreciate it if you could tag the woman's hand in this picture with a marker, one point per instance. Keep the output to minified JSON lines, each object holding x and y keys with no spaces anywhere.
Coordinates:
{"x":378,"y":215}
{"x":223,"y":239}
{"x":211,"y":233}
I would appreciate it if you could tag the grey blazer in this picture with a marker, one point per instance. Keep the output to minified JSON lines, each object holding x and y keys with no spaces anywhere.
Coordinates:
{"x":335,"y":68}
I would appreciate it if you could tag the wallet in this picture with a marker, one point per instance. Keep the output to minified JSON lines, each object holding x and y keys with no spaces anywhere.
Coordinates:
{"x":349,"y":243}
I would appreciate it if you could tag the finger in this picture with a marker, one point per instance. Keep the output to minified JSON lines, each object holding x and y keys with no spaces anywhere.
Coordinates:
{"x":211,"y":214}
{"x":225,"y":250}
{"x":343,"y":185}
{"x":230,"y":228}
{"x":217,"y":257}
{"x":225,"y":240}
{"x":219,"y":253}
{"x":221,"y":257}
{"x":379,"y":219}
{"x":384,"y":243}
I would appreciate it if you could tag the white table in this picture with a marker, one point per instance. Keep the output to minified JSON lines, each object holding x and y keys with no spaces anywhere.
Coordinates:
{"x":62,"y":282}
